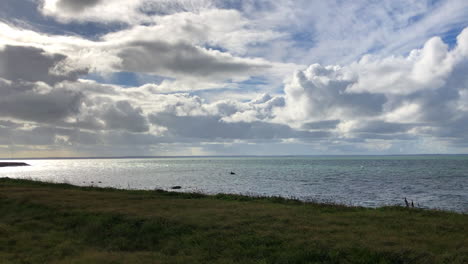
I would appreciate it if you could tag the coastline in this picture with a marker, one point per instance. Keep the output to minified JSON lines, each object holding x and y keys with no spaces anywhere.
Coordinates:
{"x":61,"y":223}
{"x":13,"y":164}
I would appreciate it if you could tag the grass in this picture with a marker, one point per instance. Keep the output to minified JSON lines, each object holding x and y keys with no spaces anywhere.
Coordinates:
{"x":61,"y":223}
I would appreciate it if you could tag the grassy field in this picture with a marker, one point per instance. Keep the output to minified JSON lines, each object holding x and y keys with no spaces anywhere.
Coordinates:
{"x":59,"y":223}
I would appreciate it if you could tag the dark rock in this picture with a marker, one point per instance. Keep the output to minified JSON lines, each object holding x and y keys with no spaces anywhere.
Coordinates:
{"x":13,"y":164}
{"x":233,"y":173}
{"x":176,"y":187}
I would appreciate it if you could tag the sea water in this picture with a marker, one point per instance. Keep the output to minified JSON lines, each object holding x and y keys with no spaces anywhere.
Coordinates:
{"x":431,"y":181}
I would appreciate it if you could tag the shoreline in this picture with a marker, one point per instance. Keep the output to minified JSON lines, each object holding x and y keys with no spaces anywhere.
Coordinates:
{"x":176,"y":189}
{"x":62,"y":223}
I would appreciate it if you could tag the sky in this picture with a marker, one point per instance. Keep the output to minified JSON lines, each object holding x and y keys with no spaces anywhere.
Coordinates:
{"x":232,"y":77}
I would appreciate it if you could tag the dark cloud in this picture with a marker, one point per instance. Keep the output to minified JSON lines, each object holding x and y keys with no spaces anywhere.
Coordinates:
{"x":67,"y":137}
{"x":30,"y":64}
{"x":227,"y":108}
{"x":124,"y":116}
{"x":42,"y":136}
{"x":8,"y":88}
{"x":325,"y":124}
{"x":364,"y":104}
{"x":381,"y":127}
{"x":5,"y":135}
{"x":86,"y":122}
{"x":127,"y":138}
{"x":76,"y":6}
{"x":165,"y":58}
{"x":85,"y":138}
{"x":454,"y":128}
{"x":53,"y":106}
{"x":9,"y":124}
{"x":212,"y":128}
{"x":390,"y":137}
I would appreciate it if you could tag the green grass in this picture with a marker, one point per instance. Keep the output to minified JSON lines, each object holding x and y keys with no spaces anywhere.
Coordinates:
{"x":61,"y":223}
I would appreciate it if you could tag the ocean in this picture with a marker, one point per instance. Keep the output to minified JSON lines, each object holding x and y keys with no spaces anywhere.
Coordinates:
{"x":430,"y":181}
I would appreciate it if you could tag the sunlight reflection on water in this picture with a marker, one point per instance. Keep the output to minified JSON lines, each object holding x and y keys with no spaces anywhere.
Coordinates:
{"x":432,"y":182}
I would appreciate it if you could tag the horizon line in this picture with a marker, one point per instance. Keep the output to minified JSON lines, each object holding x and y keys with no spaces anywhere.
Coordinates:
{"x":234,"y":156}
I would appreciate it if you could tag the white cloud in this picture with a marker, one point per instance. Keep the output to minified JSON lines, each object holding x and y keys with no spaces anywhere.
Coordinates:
{"x":340,"y":32}
{"x":427,"y":68}
{"x":226,"y":29}
{"x":390,"y":98}
{"x":92,"y":10}
{"x":319,"y":93}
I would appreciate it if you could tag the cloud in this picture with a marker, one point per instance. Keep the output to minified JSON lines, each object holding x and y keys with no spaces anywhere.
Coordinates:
{"x":123,"y":116}
{"x":51,"y":106}
{"x":122,"y":11}
{"x":227,"y":110}
{"x":9,"y":124}
{"x":260,"y":108}
{"x":182,"y":59}
{"x":76,"y":6}
{"x":167,"y":57}
{"x":91,"y":10}
{"x":22,"y":63}
{"x":227,"y":30}
{"x":344,"y":107}
{"x":188,"y":117}
{"x":325,"y":124}
{"x":340,"y":32}
{"x":27,"y":79}
{"x":382,"y":127}
{"x":384,"y":98}
{"x":423,"y":69}
{"x":375,"y":87}
{"x":323,"y":93}
{"x":213,"y":128}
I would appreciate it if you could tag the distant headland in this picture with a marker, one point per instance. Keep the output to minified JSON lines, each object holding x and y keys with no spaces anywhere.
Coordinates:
{"x":13,"y":164}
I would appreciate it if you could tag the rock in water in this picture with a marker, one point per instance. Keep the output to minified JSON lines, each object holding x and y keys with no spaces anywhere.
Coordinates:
{"x":176,"y":187}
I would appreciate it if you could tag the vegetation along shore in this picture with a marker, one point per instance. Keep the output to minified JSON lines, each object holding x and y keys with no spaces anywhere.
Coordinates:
{"x":61,"y":223}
